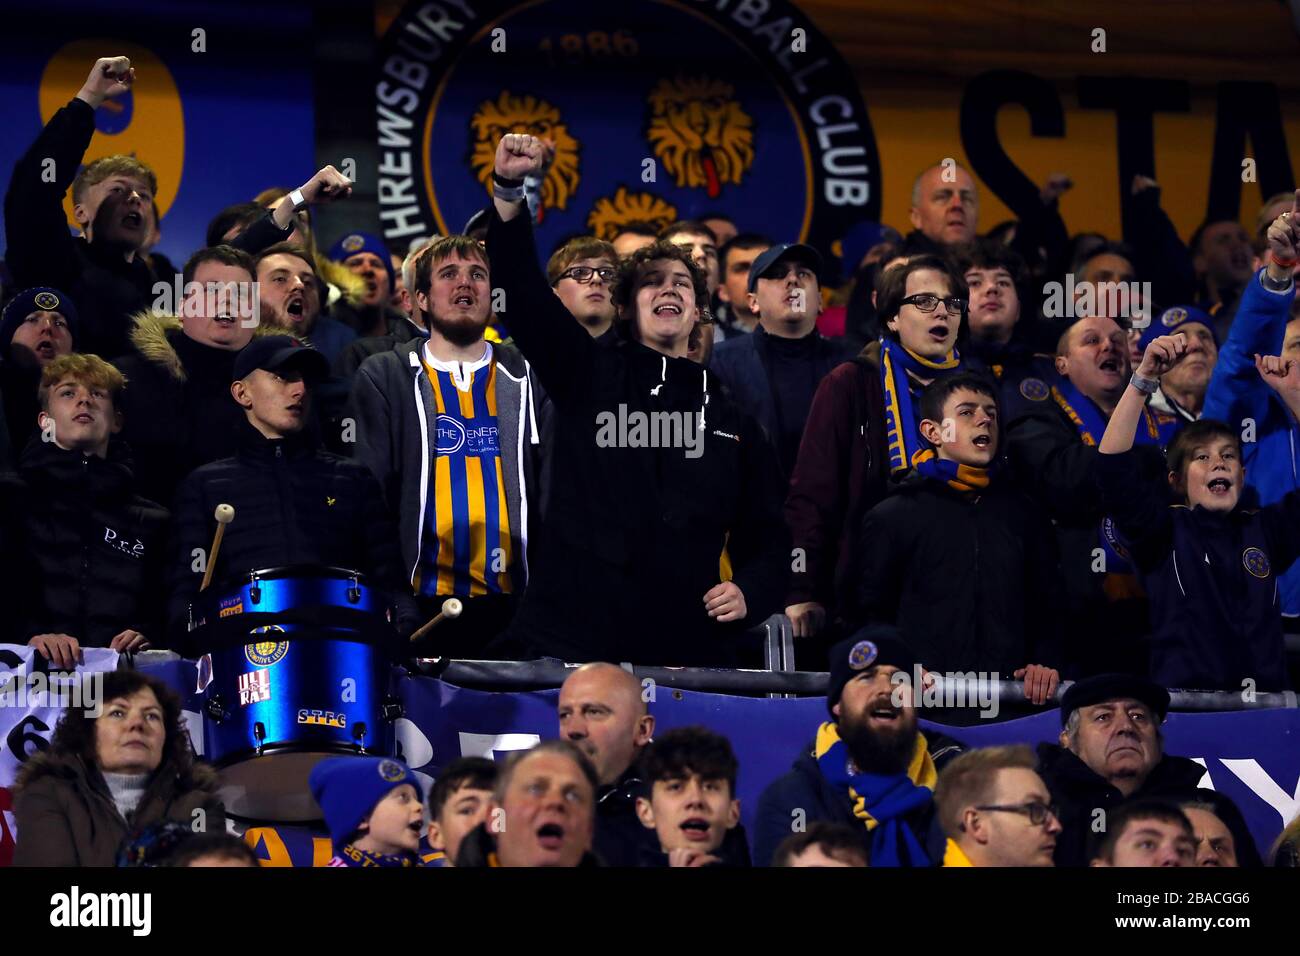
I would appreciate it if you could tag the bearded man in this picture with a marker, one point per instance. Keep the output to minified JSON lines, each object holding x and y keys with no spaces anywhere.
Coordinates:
{"x":870,"y":767}
{"x":451,"y":426}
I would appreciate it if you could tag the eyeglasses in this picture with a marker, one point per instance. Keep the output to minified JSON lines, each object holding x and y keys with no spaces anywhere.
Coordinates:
{"x":583,"y":274}
{"x":928,"y":302}
{"x":1037,"y":812}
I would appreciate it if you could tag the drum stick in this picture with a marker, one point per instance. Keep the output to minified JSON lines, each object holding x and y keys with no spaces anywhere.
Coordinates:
{"x":224,"y":515}
{"x":451,"y":608}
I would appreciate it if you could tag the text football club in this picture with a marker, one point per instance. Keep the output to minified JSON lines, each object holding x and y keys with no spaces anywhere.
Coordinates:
{"x":659,"y":110}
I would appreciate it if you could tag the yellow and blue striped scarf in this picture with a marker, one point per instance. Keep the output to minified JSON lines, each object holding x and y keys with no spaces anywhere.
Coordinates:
{"x":902,"y":422}
{"x":881,"y":801}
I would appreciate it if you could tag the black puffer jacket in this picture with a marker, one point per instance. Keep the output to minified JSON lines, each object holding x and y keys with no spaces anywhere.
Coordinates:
{"x":294,"y":504}
{"x":88,"y":551}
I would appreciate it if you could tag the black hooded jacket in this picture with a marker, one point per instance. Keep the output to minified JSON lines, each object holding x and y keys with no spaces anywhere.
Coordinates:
{"x":88,"y":551}
{"x":634,"y":532}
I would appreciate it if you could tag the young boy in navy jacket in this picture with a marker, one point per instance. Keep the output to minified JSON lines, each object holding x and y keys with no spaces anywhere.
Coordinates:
{"x":1209,"y":565}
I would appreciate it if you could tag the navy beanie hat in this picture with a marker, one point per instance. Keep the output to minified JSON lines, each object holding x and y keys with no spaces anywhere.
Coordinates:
{"x":347,"y":789}
{"x":1169,"y":321}
{"x":875,"y":644}
{"x":36,"y":299}
{"x":355,"y":242}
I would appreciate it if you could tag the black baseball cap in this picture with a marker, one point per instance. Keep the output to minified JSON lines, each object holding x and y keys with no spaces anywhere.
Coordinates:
{"x":786,"y":250}
{"x":1104,"y":687}
{"x":275,"y":352}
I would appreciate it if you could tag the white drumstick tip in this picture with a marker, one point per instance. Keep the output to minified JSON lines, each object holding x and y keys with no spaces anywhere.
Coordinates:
{"x":225,"y":514}
{"x":452,"y":607}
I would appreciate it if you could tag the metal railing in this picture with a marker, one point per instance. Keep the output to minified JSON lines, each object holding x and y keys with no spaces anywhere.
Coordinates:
{"x":778,"y":677}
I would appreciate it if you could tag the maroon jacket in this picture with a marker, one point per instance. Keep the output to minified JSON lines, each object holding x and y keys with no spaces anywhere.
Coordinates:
{"x":841,"y":471}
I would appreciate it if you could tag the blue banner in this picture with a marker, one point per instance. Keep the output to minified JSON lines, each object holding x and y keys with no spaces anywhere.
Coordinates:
{"x":1253,"y":757}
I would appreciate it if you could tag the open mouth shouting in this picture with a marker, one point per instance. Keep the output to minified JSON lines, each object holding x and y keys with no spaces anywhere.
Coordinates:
{"x":1110,"y":366}
{"x":463,"y":300}
{"x":695,"y":829}
{"x":983,"y":442}
{"x":133,"y":220}
{"x":294,"y":307}
{"x":1219,"y":487}
{"x":883,"y":713}
{"x":550,"y":836}
{"x":45,"y":350}
{"x":939,"y":332}
{"x":668,"y":309}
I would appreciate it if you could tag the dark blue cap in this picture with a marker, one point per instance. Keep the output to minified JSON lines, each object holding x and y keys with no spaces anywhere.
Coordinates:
{"x":786,"y":250}
{"x":274,"y":352}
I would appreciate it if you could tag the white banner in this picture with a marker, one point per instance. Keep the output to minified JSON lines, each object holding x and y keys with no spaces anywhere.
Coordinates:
{"x":31,"y":701}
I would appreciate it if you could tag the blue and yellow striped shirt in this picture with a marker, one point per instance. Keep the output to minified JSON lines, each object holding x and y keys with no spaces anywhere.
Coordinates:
{"x":466,"y":542}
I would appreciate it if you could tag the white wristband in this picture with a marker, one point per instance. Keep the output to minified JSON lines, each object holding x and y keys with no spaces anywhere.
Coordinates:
{"x":1147,"y":386}
{"x":297,"y":199}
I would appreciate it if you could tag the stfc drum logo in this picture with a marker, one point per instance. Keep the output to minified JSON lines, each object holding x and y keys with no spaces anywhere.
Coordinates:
{"x":659,"y":110}
{"x":266,"y":653}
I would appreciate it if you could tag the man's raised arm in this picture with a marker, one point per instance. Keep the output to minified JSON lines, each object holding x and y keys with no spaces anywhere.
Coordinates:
{"x":539,"y":323}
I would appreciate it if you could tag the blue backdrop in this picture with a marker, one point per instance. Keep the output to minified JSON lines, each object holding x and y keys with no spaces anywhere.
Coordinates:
{"x":219,"y":114}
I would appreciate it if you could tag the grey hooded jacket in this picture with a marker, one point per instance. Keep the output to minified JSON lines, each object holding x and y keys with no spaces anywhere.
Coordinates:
{"x":390,"y":395}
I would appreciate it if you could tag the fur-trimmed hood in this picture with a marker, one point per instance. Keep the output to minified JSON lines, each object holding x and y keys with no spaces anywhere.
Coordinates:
{"x":149,"y":336}
{"x":72,"y":768}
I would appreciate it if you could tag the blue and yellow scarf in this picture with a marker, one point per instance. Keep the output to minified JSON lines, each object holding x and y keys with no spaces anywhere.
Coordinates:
{"x":907,"y":449}
{"x":881,"y":801}
{"x":351,"y":856}
{"x":1091,"y":423}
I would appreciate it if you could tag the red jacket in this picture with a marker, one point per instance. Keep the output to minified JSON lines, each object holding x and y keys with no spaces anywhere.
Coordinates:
{"x":841,"y":471}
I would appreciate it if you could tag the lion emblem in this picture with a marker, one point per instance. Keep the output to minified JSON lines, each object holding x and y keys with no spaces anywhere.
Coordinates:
{"x":526,"y":114}
{"x":700,"y":133}
{"x":612,"y":213}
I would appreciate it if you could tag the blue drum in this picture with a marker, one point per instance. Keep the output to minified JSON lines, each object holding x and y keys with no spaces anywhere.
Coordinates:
{"x":297,"y":668}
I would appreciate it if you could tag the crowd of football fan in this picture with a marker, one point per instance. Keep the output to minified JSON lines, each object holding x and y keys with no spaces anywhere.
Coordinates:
{"x":639,"y":454}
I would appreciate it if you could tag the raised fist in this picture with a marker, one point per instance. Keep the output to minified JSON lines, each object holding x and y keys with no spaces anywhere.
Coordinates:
{"x":1280,"y":374}
{"x":1283,"y":238}
{"x":110,"y":76}
{"x":326,"y":186}
{"x":519,"y":155}
{"x":1163,"y":354}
